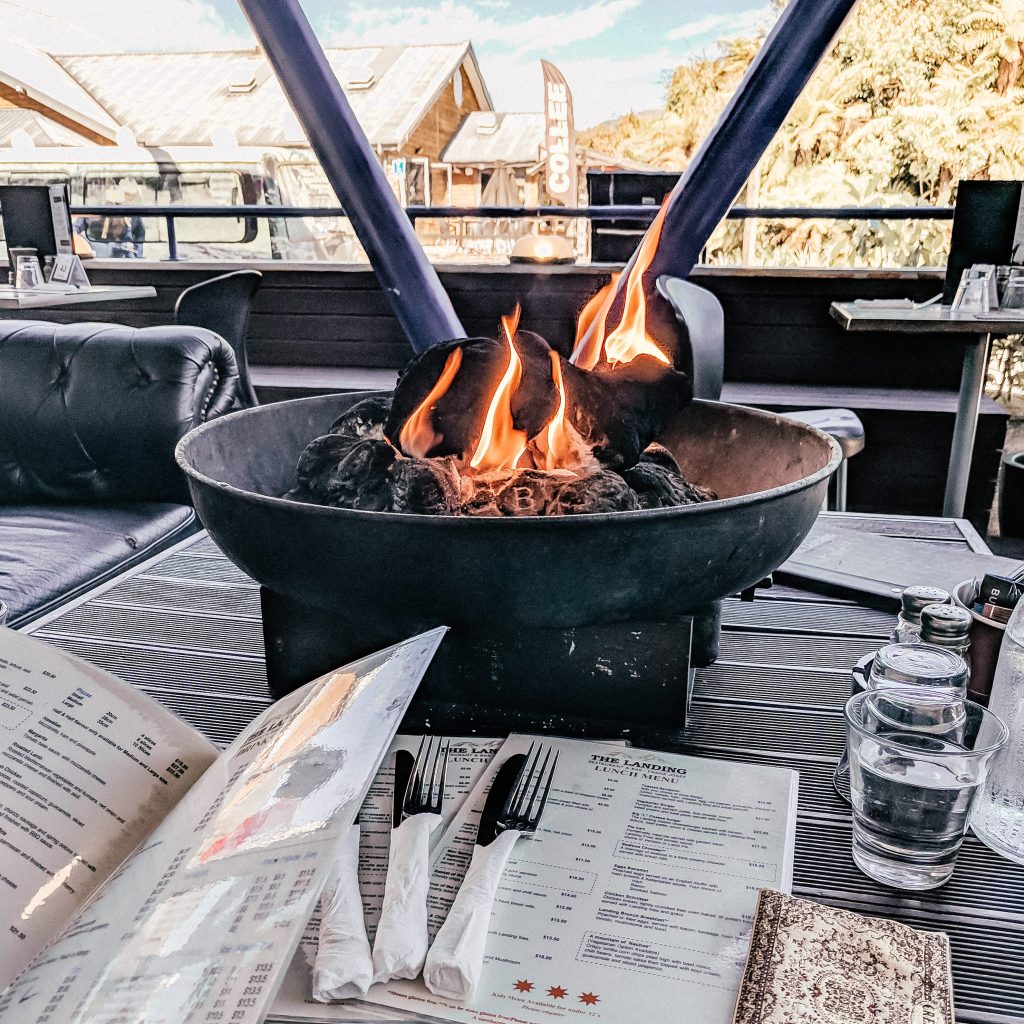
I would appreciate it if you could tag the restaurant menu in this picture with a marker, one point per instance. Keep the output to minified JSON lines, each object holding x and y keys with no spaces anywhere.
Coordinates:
{"x":197,"y":924}
{"x":635,"y":897}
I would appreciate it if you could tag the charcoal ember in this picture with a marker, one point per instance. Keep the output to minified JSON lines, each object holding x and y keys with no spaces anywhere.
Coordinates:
{"x":361,"y":479}
{"x":319,"y":457}
{"x":699,"y":493}
{"x":300,"y":494}
{"x":599,"y":492}
{"x":528,"y":493}
{"x":482,"y":501}
{"x":620,"y":410}
{"x":656,"y":486}
{"x":659,"y":455}
{"x":457,"y":416}
{"x":425,"y":486}
{"x":365,"y":420}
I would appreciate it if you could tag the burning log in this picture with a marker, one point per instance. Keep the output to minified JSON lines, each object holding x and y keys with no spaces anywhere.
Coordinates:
{"x":620,"y":410}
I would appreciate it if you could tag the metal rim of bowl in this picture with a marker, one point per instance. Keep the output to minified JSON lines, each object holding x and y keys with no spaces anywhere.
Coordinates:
{"x":591,"y":519}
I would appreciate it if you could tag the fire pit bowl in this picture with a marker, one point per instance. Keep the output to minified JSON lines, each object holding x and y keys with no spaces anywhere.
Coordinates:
{"x":388,"y":575}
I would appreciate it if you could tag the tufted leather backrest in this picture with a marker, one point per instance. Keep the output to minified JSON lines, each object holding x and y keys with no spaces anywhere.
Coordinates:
{"x":91,"y":412}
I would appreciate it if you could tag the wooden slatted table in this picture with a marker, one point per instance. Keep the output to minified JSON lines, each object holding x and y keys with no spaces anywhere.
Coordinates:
{"x":185,"y":628}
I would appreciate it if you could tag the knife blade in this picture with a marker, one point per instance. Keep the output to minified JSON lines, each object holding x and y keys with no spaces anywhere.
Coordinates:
{"x":497,"y":797}
{"x":404,"y":763}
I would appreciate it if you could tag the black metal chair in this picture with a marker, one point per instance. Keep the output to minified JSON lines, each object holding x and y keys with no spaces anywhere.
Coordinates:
{"x":223,"y":305}
{"x":701,"y":318}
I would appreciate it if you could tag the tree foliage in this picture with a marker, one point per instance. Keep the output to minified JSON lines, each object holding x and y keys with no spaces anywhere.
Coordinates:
{"x":913,"y":96}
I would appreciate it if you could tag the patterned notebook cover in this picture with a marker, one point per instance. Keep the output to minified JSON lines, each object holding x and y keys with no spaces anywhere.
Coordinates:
{"x":812,"y":964}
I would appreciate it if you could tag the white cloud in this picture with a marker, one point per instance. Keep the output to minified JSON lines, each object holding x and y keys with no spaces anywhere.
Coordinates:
{"x":602,"y":87}
{"x":451,"y":20}
{"x":723,"y":24}
{"x":76,"y":26}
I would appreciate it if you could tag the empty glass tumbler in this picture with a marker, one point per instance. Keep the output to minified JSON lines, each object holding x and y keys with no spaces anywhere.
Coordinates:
{"x":917,"y":763}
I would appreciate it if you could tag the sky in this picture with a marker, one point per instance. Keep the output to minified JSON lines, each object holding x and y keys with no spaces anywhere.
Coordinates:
{"x":616,"y":54}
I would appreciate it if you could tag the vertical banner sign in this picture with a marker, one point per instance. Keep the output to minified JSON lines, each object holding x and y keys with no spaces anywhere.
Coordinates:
{"x":559,"y":138}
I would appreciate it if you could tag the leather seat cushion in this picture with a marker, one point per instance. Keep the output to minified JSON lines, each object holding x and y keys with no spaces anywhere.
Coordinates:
{"x":51,"y":553}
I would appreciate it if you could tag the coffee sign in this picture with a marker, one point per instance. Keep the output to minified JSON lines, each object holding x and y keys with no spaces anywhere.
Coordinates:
{"x":560,"y":172}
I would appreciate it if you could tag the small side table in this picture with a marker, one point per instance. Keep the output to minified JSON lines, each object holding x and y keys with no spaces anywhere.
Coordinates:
{"x":975,"y":331}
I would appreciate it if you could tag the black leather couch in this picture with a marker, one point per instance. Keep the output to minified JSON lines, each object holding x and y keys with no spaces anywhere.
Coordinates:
{"x":89,"y":417}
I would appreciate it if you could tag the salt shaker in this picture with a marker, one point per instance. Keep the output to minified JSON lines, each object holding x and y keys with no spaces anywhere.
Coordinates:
{"x":998,"y":815}
{"x":914,"y":600}
{"x":946,"y":625}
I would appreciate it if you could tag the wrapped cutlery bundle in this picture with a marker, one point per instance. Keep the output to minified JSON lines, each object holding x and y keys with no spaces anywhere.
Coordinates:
{"x":574,"y":877}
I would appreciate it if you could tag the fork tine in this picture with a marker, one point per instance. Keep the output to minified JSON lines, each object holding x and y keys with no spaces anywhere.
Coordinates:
{"x":529,"y":767}
{"x":413,"y":794}
{"x":535,"y":821}
{"x":527,"y":811}
{"x":435,"y":765}
{"x":510,"y":800}
{"x":444,"y":772}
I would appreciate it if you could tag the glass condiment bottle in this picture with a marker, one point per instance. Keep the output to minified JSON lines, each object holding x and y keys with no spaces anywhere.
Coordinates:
{"x":946,"y":625}
{"x":998,"y":815}
{"x":913,"y":601}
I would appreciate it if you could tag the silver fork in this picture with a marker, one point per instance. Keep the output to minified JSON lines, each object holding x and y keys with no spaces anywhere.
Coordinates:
{"x":525,"y":805}
{"x":400,"y":945}
{"x":423,"y":795}
{"x":514,"y":807}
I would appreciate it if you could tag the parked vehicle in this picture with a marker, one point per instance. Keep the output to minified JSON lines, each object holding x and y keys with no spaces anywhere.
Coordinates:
{"x":192,"y":176}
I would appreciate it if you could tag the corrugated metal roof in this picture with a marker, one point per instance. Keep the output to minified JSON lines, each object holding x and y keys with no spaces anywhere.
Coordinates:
{"x":179,"y":99}
{"x":39,"y":128}
{"x":515,"y":139}
{"x":39,"y":76}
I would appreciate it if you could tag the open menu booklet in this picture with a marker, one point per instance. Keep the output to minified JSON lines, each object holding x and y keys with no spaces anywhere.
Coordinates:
{"x":636,"y":896}
{"x":146,"y":877}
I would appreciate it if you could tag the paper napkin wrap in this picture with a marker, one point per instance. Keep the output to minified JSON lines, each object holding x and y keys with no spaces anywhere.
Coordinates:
{"x":812,"y":964}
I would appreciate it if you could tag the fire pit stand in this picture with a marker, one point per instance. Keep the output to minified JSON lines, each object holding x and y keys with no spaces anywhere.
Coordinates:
{"x":603,"y":679}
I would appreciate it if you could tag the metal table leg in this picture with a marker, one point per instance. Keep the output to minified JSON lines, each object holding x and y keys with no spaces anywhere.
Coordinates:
{"x":972,"y":384}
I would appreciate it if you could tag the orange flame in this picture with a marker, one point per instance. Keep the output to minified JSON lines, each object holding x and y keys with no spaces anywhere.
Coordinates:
{"x":630,"y":338}
{"x":501,"y":444}
{"x":417,"y":435}
{"x":554,"y":445}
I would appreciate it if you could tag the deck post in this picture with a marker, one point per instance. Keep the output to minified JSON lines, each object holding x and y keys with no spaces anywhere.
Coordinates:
{"x":409,"y":281}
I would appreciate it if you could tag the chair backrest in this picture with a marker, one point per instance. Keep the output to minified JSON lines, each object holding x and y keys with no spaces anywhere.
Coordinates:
{"x":90,"y":413}
{"x":703,"y":334}
{"x":223,"y":305}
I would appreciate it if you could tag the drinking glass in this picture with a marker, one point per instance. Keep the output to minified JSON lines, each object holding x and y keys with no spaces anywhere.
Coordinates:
{"x":27,"y":272}
{"x":1013,"y":293}
{"x":919,"y":665}
{"x":917,"y":761}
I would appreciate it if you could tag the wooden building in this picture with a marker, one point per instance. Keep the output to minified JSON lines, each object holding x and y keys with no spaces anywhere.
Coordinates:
{"x":410,"y":100}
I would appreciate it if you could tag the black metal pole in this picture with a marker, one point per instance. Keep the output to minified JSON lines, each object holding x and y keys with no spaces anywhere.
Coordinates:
{"x":409,"y":281}
{"x":746,"y":127}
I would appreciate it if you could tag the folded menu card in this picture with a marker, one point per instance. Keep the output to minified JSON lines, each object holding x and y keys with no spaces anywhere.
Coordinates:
{"x":812,"y":964}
